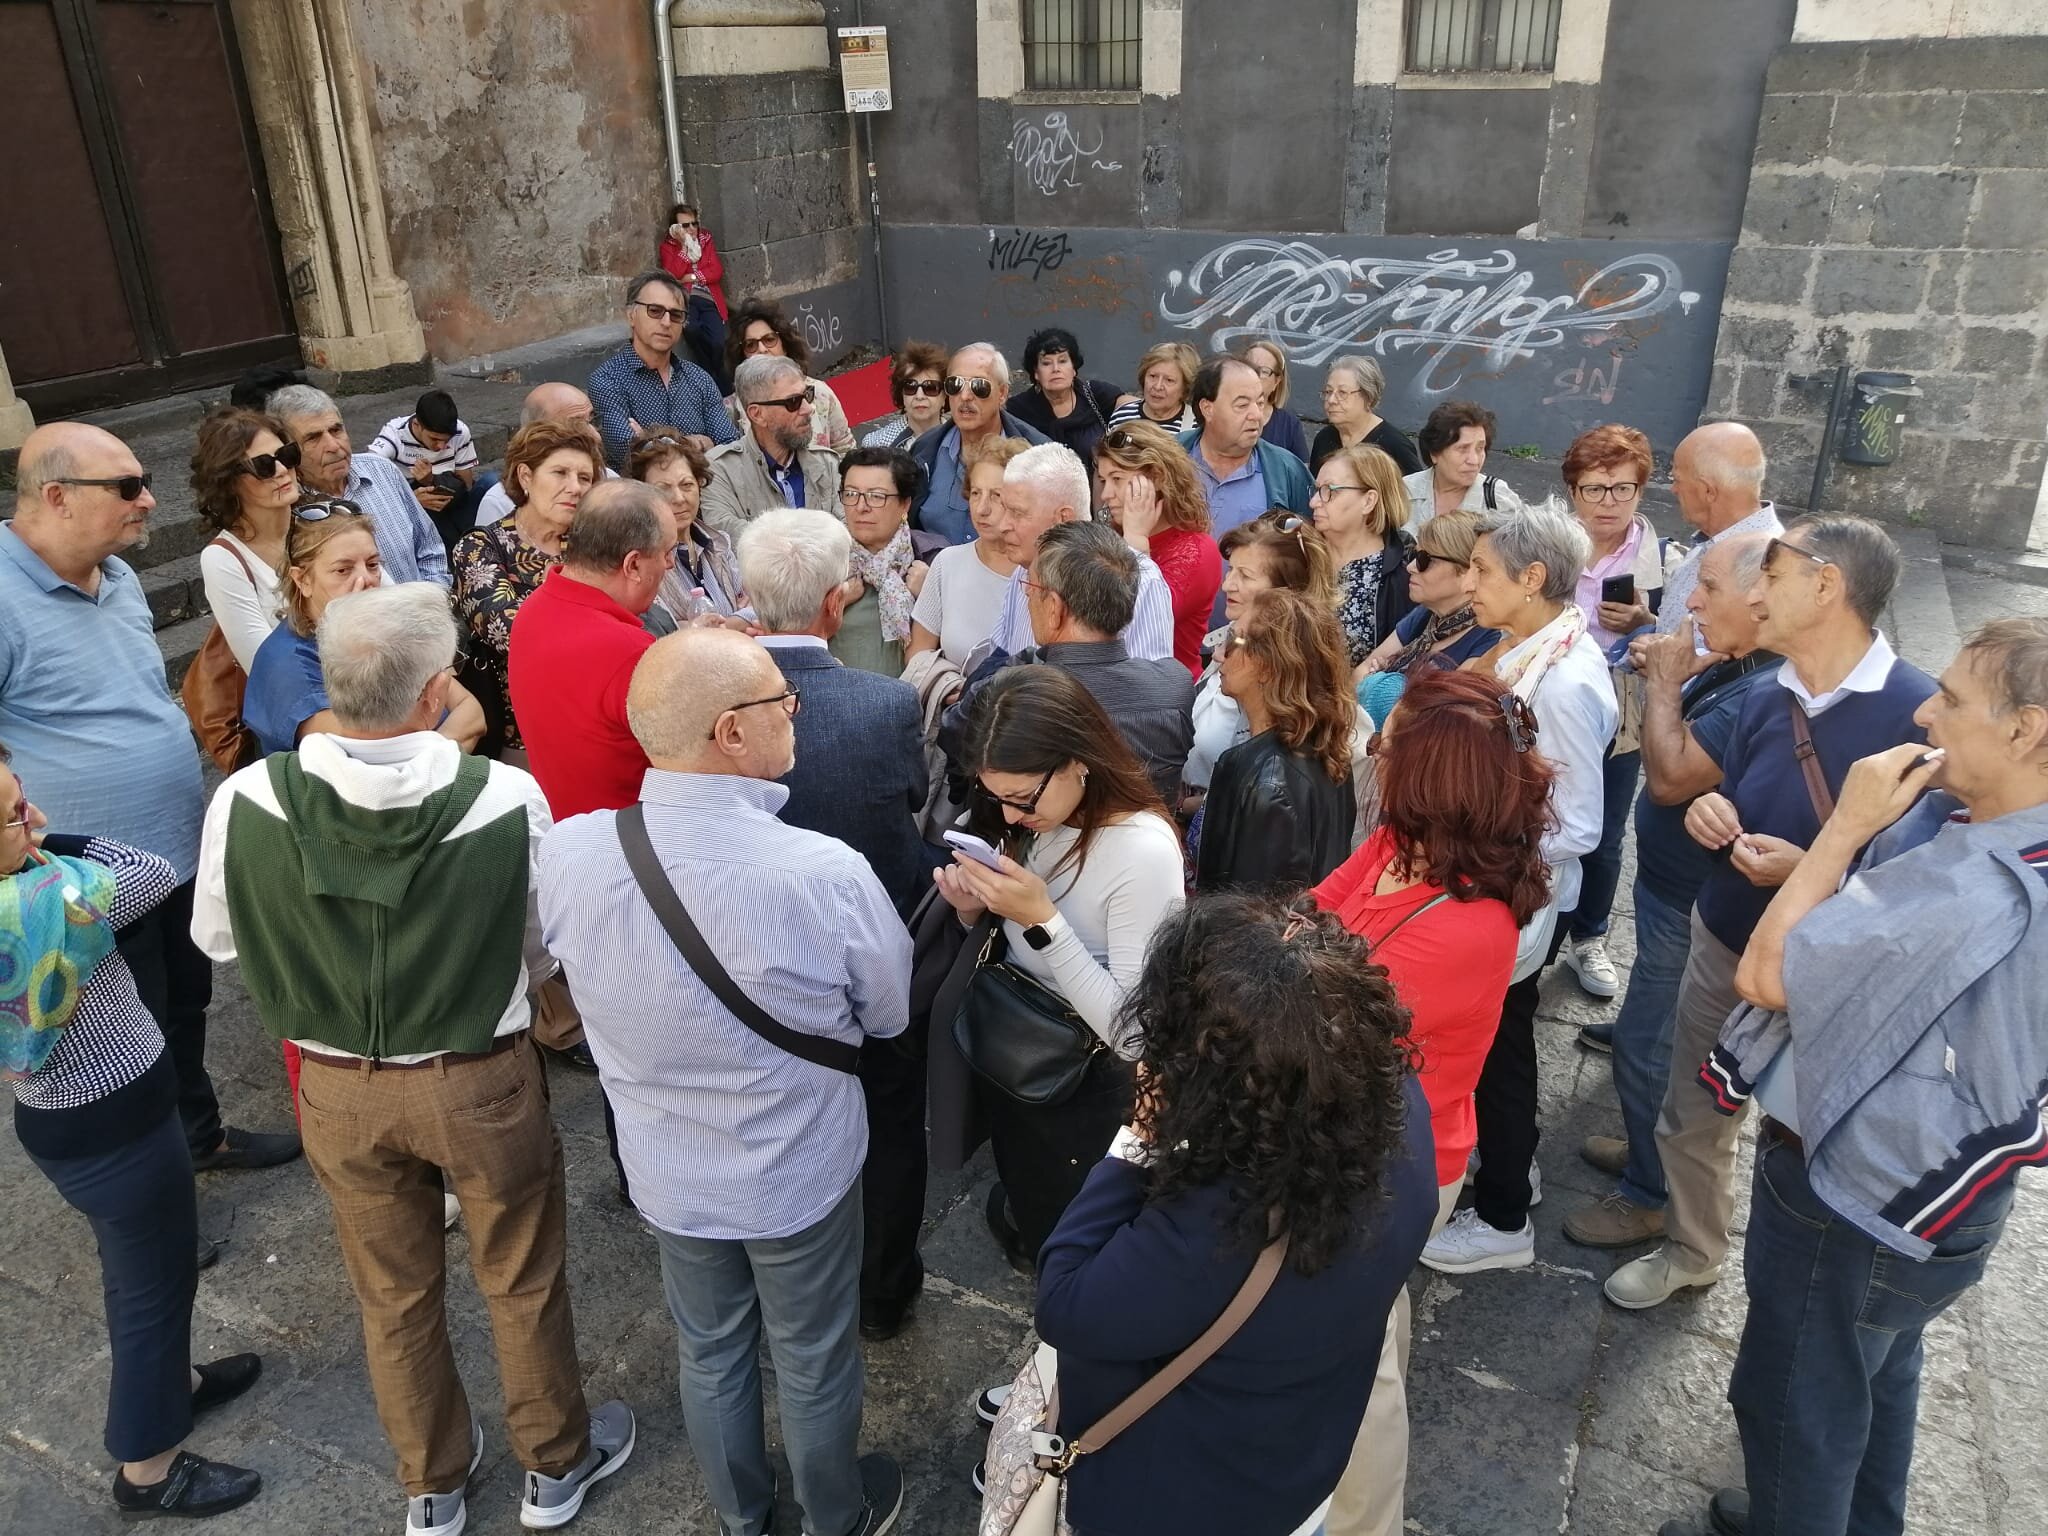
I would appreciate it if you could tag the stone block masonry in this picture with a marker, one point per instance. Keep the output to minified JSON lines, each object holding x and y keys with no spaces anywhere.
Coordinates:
{"x":1897,"y":219}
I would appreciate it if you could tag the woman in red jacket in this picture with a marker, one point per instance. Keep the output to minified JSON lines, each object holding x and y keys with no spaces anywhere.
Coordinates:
{"x":688,"y":255}
{"x":1440,"y":891}
{"x":1148,"y":487}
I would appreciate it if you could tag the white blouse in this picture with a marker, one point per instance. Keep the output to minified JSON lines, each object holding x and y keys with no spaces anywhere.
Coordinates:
{"x":244,"y":600}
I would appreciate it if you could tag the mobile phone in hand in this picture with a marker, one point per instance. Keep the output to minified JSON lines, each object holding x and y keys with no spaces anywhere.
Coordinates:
{"x":974,"y":847}
{"x":1618,"y":589}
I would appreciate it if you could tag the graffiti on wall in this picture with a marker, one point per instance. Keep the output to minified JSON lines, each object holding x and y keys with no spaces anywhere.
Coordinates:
{"x":1051,"y":155}
{"x":1454,"y":312}
{"x":820,"y":329}
{"x":1028,"y":250}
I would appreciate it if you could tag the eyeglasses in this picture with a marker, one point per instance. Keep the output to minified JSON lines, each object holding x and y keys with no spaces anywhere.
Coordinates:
{"x":1771,"y":553}
{"x":981,"y":389}
{"x":1334,"y":392}
{"x":754,"y":346}
{"x":20,"y":812}
{"x":1325,"y":492}
{"x":124,"y":487}
{"x":324,"y":508}
{"x":1026,"y":806}
{"x":1521,"y":721}
{"x":1264,"y":372}
{"x":791,"y":402}
{"x":1422,"y":560}
{"x":661,"y":314}
{"x":873,"y":500}
{"x":265,"y":465}
{"x":1621,"y":493}
{"x":790,"y":700}
{"x":928,"y":387}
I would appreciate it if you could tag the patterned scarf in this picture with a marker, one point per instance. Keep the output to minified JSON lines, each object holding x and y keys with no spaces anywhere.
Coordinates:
{"x":53,"y":932}
{"x":883,"y":574}
{"x":1438,"y":627}
{"x":1522,"y":669}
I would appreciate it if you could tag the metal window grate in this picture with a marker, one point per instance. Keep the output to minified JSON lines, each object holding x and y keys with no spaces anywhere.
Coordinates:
{"x":1450,"y":36}
{"x":1081,"y":45}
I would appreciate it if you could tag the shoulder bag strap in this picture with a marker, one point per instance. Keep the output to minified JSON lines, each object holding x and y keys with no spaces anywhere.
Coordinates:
{"x":675,"y":919}
{"x":1191,"y":1359}
{"x":229,"y":546}
{"x":1486,"y":485}
{"x":1809,"y":761}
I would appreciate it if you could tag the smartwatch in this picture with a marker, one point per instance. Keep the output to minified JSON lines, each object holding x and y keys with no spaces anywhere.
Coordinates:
{"x":1036,"y":936}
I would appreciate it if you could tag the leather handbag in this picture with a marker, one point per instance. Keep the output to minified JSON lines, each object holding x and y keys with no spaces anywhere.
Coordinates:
{"x":1018,"y":1034}
{"x":212,"y":694}
{"x":1027,"y":1459}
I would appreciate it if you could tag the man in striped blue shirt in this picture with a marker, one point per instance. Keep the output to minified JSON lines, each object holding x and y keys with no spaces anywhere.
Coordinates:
{"x":744,"y":1158}
{"x":645,"y":382}
{"x":407,"y":541}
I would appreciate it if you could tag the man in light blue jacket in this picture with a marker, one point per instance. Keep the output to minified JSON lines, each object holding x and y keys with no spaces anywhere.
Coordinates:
{"x":1242,"y":475}
{"x":1896,"y":1045}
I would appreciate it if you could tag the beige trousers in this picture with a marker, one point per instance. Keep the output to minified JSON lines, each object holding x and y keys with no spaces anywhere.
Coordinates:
{"x":1695,"y":1141}
{"x":1373,"y":1490}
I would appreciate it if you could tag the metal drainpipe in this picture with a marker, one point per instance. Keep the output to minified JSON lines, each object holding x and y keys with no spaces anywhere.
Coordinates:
{"x":671,"y":131}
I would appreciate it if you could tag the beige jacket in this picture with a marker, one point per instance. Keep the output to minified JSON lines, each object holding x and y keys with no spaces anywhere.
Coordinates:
{"x":741,"y":487}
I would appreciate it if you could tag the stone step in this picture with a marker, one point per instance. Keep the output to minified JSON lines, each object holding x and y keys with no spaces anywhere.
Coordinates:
{"x":2029,"y":566}
{"x":175,"y":591}
{"x":180,"y":643}
{"x":1920,"y":620}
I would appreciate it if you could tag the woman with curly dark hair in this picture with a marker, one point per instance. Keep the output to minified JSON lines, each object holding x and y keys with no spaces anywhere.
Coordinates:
{"x":1276,"y":1096}
{"x":244,"y":481}
{"x":1440,"y":890}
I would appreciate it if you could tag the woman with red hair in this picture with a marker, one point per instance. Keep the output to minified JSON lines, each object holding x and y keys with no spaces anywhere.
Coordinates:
{"x":1440,"y":891}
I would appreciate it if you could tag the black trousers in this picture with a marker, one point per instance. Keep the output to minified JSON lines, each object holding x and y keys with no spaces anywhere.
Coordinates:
{"x":1504,"y":1104}
{"x":1044,"y":1152}
{"x":704,"y":336}
{"x":145,"y":1216}
{"x":175,"y":982}
{"x":892,"y":1180}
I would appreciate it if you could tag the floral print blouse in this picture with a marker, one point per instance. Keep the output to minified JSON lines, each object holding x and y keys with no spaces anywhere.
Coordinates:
{"x":1358,"y":604}
{"x":496,"y":569}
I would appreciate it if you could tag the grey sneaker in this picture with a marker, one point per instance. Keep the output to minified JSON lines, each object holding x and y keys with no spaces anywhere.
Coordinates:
{"x":446,"y":1514}
{"x":548,"y":1502}
{"x":881,"y":1486}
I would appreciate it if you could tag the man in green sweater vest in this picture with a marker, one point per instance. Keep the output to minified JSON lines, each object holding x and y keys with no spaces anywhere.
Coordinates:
{"x":336,"y":875}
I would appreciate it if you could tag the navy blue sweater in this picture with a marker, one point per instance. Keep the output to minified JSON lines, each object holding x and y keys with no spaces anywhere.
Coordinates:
{"x":1257,"y":1438}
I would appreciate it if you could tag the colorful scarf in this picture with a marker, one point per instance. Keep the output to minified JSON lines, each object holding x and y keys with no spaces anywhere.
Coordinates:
{"x":1438,"y":626}
{"x":883,"y":573}
{"x":1522,"y":669}
{"x":53,"y":932}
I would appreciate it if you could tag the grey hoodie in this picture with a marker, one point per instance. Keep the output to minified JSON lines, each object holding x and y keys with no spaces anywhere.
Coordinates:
{"x":1916,"y":999}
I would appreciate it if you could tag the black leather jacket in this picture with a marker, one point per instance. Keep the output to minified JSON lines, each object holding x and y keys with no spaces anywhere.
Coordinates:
{"x":1274,"y":819}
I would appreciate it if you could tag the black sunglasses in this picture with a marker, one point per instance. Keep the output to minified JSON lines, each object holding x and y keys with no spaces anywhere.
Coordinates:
{"x":931,"y":387}
{"x":661,"y":314}
{"x":1521,"y":721}
{"x":790,"y":698}
{"x":981,"y":389}
{"x":264,"y":465}
{"x":1026,"y":806}
{"x":1422,"y":560}
{"x":791,"y":402}
{"x":126,"y":487}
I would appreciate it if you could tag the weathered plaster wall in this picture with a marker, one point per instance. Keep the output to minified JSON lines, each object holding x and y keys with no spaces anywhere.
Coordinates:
{"x":520,"y":148}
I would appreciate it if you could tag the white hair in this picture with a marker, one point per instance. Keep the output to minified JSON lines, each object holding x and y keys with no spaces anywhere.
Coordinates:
{"x":379,"y":649}
{"x":1052,"y":471}
{"x":997,"y":363}
{"x":754,"y":379}
{"x":296,"y":400}
{"x":1544,"y":533}
{"x":790,"y":560}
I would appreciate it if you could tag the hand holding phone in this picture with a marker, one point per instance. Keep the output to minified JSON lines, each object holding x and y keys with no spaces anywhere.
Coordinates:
{"x":1618,"y":589}
{"x":975,"y":848}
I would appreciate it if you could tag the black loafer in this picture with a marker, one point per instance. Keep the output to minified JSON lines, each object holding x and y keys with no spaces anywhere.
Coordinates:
{"x":222,"y":1381}
{"x":1002,"y":1227}
{"x":208,"y":1254}
{"x":576,"y":1057}
{"x":1728,"y":1512}
{"x":248,"y":1149}
{"x":882,"y":1320}
{"x":195,"y":1488}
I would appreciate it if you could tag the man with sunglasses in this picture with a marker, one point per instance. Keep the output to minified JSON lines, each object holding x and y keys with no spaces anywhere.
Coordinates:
{"x":96,"y":732}
{"x":771,"y":464}
{"x":647,"y":381}
{"x":1840,"y":695}
{"x":977,"y":388}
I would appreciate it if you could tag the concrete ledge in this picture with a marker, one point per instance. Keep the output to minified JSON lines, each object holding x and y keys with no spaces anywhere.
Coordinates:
{"x":1921,"y":622}
{"x":749,"y":50}
{"x":2024,"y":565}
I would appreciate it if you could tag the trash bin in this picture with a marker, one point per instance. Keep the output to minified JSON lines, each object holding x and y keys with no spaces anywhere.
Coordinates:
{"x":1877,"y":417}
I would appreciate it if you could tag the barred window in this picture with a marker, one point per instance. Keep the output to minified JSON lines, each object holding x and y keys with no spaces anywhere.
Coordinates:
{"x":1451,"y":36}
{"x":1081,"y":45}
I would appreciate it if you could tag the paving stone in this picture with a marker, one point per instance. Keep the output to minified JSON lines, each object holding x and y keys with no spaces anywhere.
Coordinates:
{"x":1662,"y":1399}
{"x":1614,"y":1496}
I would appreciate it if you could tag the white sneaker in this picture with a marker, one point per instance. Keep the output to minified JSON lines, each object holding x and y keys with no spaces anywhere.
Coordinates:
{"x":446,"y":1514}
{"x":1653,"y":1280}
{"x":1467,"y":1245}
{"x":549,"y":1502}
{"x":451,"y":1210}
{"x":1588,"y":961}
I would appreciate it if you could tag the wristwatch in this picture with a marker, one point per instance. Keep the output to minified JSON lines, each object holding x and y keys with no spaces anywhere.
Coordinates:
{"x":1036,"y":936}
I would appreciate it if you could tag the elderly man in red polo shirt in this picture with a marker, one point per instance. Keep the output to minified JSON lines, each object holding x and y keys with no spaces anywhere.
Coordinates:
{"x":576,"y":641}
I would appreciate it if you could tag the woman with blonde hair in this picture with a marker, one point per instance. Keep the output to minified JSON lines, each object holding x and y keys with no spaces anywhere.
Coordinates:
{"x":1361,"y":507}
{"x":1283,"y":427}
{"x":1280,"y":809}
{"x":1149,"y":489}
{"x":1166,"y":381}
{"x":1439,"y":631}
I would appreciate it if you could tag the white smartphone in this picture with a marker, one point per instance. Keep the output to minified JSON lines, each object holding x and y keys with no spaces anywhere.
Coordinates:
{"x":974,"y":847}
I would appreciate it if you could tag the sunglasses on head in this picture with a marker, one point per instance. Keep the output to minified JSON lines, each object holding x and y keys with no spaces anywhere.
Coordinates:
{"x":264,"y":465}
{"x":981,"y":389}
{"x":661,"y":314}
{"x":326,"y":507}
{"x":124,"y":487}
{"x":1771,"y":553}
{"x":931,"y":387}
{"x":1422,"y":560}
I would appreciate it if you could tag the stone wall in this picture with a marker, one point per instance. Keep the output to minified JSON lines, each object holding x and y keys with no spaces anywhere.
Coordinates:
{"x":1897,"y":219}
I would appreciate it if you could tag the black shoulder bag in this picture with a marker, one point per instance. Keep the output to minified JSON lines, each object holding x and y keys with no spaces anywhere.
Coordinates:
{"x":682,"y":932}
{"x":1018,"y":1034}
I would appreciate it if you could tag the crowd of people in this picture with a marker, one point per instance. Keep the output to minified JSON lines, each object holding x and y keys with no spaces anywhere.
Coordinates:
{"x":1186,"y":810}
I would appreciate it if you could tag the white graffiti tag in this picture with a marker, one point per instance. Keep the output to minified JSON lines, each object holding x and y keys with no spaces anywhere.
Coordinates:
{"x":1052,"y":156}
{"x":821,"y":332}
{"x":1459,"y":311}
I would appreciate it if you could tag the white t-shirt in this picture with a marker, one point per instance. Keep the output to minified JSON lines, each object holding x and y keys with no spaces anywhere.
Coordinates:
{"x":242,"y":594}
{"x":396,"y":442}
{"x":960,"y":602}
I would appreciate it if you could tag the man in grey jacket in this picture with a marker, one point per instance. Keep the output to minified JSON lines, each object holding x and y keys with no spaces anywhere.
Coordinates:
{"x":1896,"y":1046}
{"x":772,"y":464}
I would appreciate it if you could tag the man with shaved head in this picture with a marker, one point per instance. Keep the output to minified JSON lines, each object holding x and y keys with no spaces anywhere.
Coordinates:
{"x":729,"y":967}
{"x":977,"y":387}
{"x":553,"y":401}
{"x":98,"y":739}
{"x":1717,"y":475}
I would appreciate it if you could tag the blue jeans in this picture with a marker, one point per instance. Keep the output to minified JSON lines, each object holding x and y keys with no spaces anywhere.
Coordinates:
{"x":1600,"y":870}
{"x":803,"y":1293}
{"x":1826,"y":1384}
{"x":1642,"y":1039}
